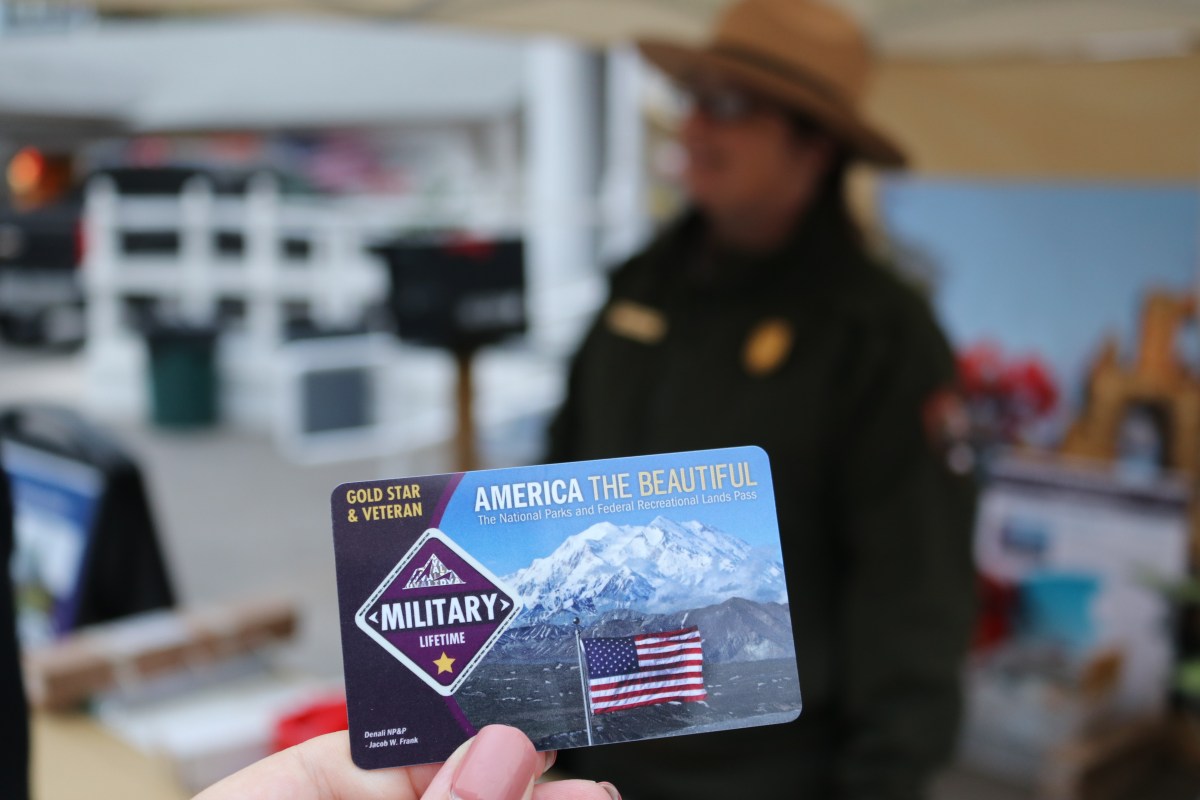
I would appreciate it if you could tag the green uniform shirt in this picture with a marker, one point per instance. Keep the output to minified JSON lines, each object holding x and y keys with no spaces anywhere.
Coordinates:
{"x":831,"y":364}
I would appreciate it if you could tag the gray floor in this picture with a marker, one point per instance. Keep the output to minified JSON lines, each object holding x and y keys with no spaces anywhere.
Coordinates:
{"x":238,"y":520}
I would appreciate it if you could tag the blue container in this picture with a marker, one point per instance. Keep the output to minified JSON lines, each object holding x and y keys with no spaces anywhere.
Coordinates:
{"x":1057,"y":606}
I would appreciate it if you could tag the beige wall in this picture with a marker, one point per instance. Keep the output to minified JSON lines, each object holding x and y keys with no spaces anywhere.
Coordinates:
{"x":1116,"y":120}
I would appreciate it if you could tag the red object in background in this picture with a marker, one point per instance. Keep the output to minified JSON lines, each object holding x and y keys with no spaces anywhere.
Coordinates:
{"x":997,"y":612}
{"x":979,"y":369}
{"x":983,"y":370}
{"x":1029,"y":381}
{"x":466,"y":246}
{"x":26,"y":170}
{"x":1004,"y":395}
{"x":315,"y":719}
{"x":36,"y":179}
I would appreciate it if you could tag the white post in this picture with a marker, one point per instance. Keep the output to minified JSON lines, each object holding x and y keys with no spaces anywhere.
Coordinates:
{"x":113,"y":355}
{"x":100,"y":264}
{"x":623,"y":185}
{"x":264,"y":317}
{"x":560,"y":132}
{"x":335,"y":266}
{"x":502,"y":153}
{"x":196,"y":297}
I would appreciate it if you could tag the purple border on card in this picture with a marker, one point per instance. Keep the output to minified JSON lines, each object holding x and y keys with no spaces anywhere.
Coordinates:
{"x":461,"y":717}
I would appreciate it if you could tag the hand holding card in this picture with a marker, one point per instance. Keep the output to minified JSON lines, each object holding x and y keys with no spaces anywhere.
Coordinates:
{"x":586,"y":603}
{"x":498,"y":764}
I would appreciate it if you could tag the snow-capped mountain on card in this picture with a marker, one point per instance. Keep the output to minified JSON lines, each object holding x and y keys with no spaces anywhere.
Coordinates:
{"x":661,"y":567}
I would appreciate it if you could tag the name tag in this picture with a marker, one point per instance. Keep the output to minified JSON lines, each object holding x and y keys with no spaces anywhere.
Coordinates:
{"x":636,"y":321}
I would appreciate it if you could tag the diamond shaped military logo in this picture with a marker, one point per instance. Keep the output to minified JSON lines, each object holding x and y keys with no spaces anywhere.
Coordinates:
{"x":439,"y":611}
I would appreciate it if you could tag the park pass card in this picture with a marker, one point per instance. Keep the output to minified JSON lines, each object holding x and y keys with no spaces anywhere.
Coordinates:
{"x":586,"y":603}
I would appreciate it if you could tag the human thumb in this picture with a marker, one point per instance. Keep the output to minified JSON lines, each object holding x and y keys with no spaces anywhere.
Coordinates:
{"x":499,"y":763}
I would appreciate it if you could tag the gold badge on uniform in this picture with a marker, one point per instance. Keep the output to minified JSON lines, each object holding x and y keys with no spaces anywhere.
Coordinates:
{"x":768,"y":346}
{"x":636,"y":321}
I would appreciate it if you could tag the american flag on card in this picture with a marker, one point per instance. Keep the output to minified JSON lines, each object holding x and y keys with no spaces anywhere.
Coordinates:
{"x":642,"y":670}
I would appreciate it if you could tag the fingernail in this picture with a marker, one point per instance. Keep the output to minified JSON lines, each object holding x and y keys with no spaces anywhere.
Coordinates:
{"x":612,"y":790}
{"x":551,"y":757}
{"x":499,"y":765}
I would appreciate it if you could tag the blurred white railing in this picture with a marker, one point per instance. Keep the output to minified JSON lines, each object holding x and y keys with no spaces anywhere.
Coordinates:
{"x":337,"y":281}
{"x":188,"y":282}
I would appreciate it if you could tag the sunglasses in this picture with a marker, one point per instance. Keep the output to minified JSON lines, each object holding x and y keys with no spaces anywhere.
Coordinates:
{"x":722,"y":104}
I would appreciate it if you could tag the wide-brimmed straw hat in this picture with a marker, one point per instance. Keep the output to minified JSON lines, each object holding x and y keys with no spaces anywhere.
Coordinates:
{"x":803,"y":54}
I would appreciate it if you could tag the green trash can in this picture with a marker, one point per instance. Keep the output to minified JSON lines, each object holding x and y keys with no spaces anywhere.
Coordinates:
{"x":183,"y":375}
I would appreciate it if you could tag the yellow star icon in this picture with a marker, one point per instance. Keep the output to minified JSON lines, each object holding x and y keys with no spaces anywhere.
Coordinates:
{"x":445,"y":663}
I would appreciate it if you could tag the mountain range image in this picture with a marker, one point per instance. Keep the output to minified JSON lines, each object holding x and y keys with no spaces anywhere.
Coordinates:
{"x":434,"y":573}
{"x":659,"y":568}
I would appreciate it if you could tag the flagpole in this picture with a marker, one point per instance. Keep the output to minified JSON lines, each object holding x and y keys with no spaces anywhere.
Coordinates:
{"x":587,"y":703}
